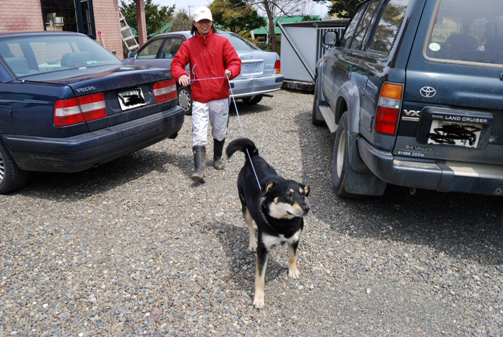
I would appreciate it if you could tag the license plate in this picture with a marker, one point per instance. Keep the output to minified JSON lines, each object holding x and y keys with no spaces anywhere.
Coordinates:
{"x":131,"y":99}
{"x":457,"y":134}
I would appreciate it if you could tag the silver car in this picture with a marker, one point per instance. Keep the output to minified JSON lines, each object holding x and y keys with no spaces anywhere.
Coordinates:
{"x":260,"y":70}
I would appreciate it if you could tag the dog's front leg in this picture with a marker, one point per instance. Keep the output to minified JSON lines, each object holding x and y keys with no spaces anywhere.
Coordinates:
{"x":251,"y":229}
{"x":258,"y":299}
{"x":293,"y":272}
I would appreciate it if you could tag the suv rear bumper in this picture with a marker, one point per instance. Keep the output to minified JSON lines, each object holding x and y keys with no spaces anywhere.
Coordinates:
{"x":81,"y":152}
{"x":438,"y":176}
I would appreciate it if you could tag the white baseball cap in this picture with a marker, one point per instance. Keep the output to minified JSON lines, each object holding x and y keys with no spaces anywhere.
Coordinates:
{"x":202,"y":13}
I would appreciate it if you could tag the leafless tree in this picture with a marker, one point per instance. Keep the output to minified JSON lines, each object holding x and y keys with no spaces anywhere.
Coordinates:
{"x":181,"y":21}
{"x":274,"y":8}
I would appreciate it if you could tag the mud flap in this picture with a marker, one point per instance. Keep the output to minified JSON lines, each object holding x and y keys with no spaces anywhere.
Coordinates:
{"x":364,"y":183}
{"x":360,"y":180}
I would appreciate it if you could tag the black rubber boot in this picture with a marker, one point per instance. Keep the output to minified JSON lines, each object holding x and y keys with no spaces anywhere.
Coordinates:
{"x":217,"y":154}
{"x":199,"y":158}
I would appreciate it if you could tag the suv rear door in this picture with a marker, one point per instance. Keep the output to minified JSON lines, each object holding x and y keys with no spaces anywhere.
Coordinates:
{"x":453,"y":98}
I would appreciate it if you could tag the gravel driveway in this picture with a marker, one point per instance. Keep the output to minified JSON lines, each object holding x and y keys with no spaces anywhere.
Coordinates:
{"x":136,"y":248}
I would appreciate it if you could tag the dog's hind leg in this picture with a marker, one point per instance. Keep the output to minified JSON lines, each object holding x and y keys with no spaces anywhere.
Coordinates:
{"x":251,"y":229}
{"x":293,"y":272}
{"x":261,"y":264}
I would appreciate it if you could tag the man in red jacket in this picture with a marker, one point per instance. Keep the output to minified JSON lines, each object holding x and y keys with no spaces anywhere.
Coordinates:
{"x":212,"y":60}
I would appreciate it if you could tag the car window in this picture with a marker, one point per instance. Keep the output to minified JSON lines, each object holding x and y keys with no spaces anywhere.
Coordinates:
{"x":171,"y":47}
{"x":150,"y":50}
{"x":350,"y":29}
{"x":464,"y":31}
{"x":388,"y":26}
{"x":42,"y":54}
{"x":364,"y":25}
{"x":239,"y":43}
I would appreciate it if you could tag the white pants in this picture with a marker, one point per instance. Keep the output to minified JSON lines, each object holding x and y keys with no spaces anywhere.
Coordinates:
{"x":218,"y":113}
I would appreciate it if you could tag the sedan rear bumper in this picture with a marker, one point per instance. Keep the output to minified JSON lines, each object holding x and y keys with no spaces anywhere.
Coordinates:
{"x":439,"y":176}
{"x":252,"y":86}
{"x":81,"y":152}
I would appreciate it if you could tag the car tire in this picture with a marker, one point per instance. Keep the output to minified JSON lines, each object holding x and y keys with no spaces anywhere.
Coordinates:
{"x":11,"y":177}
{"x":317,"y":118}
{"x":252,"y":100}
{"x":340,"y":162}
{"x":184,"y":99}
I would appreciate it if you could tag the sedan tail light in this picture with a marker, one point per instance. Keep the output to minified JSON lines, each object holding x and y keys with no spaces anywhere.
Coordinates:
{"x":277,"y":66}
{"x":78,"y":110}
{"x":388,"y":108}
{"x":164,"y":91}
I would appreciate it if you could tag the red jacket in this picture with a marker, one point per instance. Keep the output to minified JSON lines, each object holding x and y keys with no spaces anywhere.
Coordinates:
{"x":208,"y":56}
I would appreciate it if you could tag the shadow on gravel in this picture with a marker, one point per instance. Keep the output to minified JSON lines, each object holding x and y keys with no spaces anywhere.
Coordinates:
{"x":76,"y":186}
{"x":460,"y":225}
{"x":234,"y":241}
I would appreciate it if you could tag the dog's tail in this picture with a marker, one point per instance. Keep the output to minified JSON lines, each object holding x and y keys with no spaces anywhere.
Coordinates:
{"x":241,"y":144}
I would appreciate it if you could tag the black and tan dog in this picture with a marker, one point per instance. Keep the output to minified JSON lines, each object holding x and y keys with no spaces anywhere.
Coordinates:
{"x":274,"y":204}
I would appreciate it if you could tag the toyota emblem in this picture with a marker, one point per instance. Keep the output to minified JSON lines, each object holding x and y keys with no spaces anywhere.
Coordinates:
{"x":427,"y":92}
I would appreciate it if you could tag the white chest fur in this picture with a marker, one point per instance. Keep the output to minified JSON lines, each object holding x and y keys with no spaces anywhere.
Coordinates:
{"x":271,"y":241}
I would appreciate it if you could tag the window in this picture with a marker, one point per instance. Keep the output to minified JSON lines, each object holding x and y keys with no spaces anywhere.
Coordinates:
{"x":388,"y":26}
{"x":467,"y":32}
{"x":239,"y":43}
{"x":150,"y":50}
{"x":69,"y":15}
{"x":171,"y":47}
{"x":44,"y":55}
{"x":364,"y":26}
{"x":350,"y":29}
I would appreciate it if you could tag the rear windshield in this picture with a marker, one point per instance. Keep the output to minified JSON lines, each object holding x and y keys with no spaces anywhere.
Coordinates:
{"x":41,"y":54}
{"x":466,"y":31}
{"x":239,"y":43}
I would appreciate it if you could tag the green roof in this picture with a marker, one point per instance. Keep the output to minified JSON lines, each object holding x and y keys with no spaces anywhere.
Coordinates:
{"x":164,"y":29}
{"x":282,"y":19}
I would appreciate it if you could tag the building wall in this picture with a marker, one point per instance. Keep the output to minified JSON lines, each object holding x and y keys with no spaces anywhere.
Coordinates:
{"x":20,"y":16}
{"x":26,"y":16}
{"x":106,"y":20}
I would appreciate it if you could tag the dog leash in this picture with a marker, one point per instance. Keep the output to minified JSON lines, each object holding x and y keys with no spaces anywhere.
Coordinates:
{"x":243,"y":134}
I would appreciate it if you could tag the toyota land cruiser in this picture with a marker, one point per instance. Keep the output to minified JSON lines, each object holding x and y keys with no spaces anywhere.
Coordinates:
{"x":413,"y":90}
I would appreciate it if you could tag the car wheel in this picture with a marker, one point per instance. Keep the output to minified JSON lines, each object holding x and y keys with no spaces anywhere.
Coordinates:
{"x":252,"y":100}
{"x":340,"y":161}
{"x":317,"y":118}
{"x":184,"y":99}
{"x":11,"y":177}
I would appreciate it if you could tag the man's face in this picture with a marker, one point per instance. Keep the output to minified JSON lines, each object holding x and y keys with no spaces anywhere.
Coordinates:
{"x":203,"y":26}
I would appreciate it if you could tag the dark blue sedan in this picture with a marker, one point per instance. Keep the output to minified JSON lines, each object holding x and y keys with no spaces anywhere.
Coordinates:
{"x":67,"y":104}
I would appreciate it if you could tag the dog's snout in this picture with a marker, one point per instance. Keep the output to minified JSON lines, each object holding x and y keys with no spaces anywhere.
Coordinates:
{"x":305,"y":208}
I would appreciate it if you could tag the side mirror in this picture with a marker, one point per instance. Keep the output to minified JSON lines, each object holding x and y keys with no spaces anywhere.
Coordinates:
{"x":131,"y":55}
{"x":331,"y":38}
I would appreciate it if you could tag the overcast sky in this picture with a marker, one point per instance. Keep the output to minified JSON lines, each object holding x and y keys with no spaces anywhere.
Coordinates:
{"x":191,"y":5}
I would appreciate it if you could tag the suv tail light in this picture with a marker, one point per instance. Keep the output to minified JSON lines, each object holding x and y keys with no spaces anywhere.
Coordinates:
{"x":164,"y":91}
{"x":78,"y":110}
{"x":388,"y":108}
{"x":277,"y":66}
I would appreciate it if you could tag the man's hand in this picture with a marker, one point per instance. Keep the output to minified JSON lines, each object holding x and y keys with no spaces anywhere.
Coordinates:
{"x":228,"y":73}
{"x":184,"y":80}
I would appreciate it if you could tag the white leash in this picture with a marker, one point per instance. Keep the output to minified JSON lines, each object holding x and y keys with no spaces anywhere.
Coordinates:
{"x":242,"y":133}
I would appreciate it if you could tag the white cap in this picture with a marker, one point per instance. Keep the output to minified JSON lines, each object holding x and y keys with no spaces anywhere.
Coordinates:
{"x":202,"y":13}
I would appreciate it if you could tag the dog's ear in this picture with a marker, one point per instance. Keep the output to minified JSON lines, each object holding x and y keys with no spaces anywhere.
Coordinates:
{"x":305,"y":188}
{"x":269,"y":186}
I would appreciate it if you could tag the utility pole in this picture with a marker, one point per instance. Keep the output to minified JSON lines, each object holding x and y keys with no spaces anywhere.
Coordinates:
{"x":189,"y":10}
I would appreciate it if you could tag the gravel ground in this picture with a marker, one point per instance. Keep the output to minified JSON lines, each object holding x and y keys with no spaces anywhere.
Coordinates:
{"x":136,"y":248}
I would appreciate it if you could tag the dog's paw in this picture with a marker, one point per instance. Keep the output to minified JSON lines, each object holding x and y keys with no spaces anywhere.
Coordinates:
{"x":258,"y":301}
{"x":293,"y":273}
{"x":253,"y":245}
